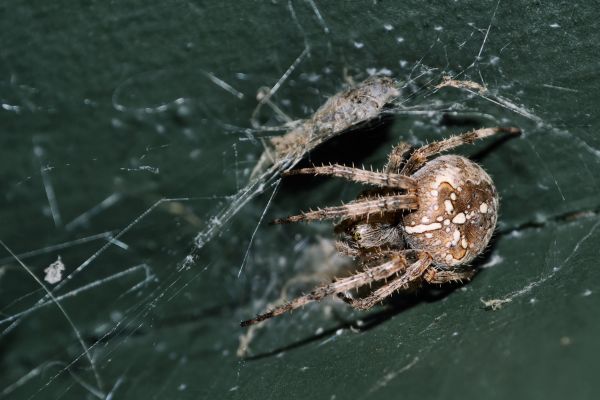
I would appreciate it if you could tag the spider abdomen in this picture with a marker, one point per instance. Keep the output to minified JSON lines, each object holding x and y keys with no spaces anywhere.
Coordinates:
{"x":458,"y":209}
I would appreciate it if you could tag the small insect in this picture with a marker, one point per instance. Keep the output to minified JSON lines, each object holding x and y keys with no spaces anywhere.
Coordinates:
{"x":425,"y":220}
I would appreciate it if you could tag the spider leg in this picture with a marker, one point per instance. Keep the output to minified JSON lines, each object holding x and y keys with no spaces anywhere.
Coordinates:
{"x":345,"y":249}
{"x":434,"y":275}
{"x":359,"y":208}
{"x":377,"y":273}
{"x":396,"y":157}
{"x":412,"y":273}
{"x":383,"y":179}
{"x":420,"y":156}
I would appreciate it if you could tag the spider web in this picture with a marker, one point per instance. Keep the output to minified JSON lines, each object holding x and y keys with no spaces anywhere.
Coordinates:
{"x":135,"y":240}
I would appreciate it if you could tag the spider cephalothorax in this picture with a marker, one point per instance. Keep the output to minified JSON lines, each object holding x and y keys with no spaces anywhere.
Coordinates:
{"x":426,"y":221}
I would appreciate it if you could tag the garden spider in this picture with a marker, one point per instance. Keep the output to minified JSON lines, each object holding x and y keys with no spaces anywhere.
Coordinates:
{"x":425,"y":221}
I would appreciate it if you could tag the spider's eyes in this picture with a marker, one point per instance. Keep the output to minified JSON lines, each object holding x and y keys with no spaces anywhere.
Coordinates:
{"x":356,"y":236}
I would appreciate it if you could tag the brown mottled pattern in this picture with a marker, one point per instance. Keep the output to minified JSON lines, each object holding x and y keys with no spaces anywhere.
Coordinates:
{"x":471,"y":185}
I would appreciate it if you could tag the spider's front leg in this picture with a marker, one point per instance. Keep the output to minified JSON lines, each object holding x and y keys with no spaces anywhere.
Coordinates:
{"x":378,"y":273}
{"x":358,"y":209}
{"x":435,"y":275}
{"x":396,"y":158}
{"x":382,"y":179}
{"x":412,"y":273}
{"x":420,"y":156}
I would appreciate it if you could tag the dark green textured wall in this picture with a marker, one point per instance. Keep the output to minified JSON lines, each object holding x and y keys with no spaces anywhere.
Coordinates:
{"x":108,"y":107}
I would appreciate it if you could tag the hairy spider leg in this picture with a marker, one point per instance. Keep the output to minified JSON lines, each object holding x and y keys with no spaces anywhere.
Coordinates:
{"x":397,"y":157}
{"x":389,"y":180}
{"x":355,"y":209}
{"x":412,"y":273}
{"x":345,"y":249}
{"x":370,"y":275}
{"x":420,"y":156}
{"x":435,"y":275}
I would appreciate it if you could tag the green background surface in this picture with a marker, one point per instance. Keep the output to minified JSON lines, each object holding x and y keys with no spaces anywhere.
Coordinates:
{"x":109,"y":106}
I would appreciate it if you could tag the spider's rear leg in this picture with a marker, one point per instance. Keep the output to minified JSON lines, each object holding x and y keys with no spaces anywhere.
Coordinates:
{"x":412,"y":273}
{"x":420,"y":156}
{"x":380,"y":272}
{"x":358,"y":208}
{"x":382,"y":179}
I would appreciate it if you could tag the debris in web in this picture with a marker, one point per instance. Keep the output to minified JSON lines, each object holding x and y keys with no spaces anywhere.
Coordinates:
{"x":498,"y":303}
{"x":86,"y":349}
{"x":342,"y":111}
{"x":495,"y":304}
{"x":148,"y":276}
{"x":447,"y":81}
{"x":54,"y":271}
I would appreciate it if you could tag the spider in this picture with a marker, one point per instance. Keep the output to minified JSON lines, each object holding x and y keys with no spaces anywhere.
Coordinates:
{"x":426,"y":220}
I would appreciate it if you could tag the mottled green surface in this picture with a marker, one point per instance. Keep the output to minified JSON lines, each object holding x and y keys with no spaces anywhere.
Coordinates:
{"x":90,"y":109}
